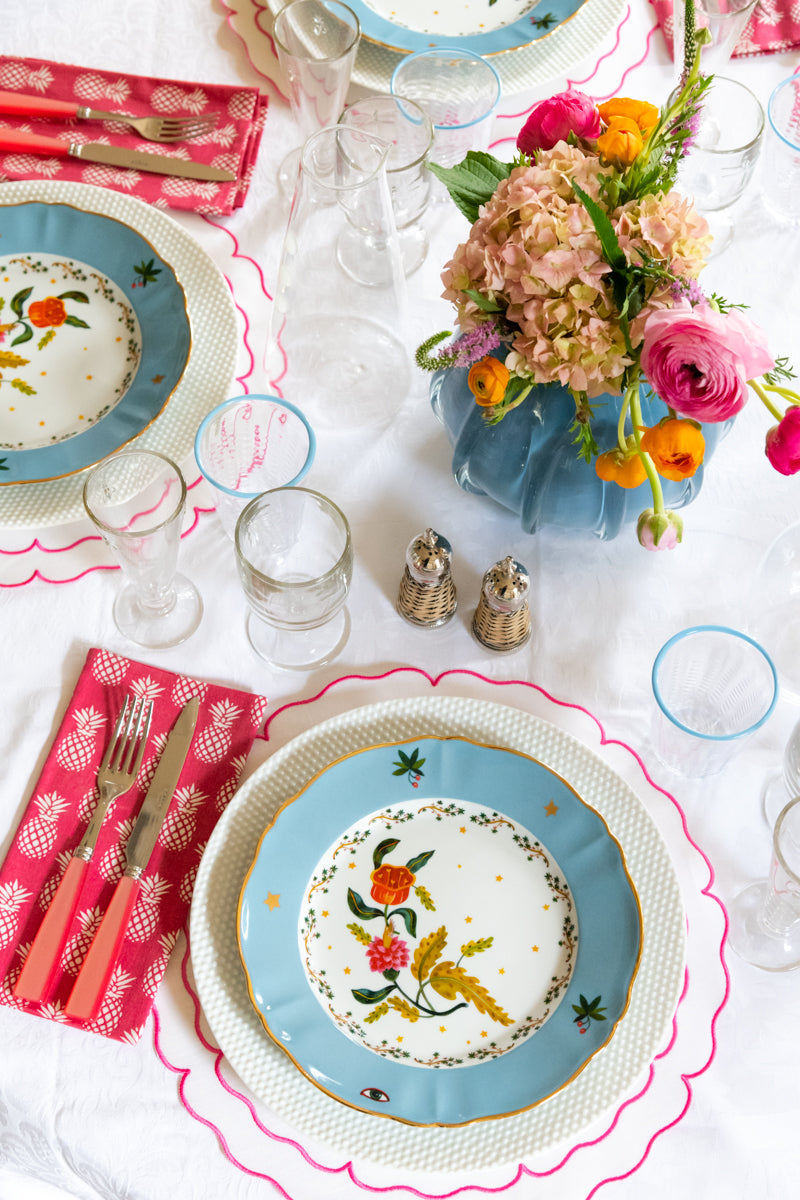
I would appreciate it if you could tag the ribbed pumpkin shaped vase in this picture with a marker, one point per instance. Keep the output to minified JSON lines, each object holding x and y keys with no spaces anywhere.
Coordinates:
{"x":529,"y":462}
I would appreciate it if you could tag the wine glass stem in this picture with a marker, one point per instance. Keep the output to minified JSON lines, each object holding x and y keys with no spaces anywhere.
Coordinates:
{"x":777,"y":915}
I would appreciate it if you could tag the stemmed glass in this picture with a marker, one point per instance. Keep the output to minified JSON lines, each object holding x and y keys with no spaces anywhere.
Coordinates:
{"x":764,"y":919}
{"x":719,"y":164}
{"x":137,"y":499}
{"x":316,"y":43}
{"x":409,"y":132}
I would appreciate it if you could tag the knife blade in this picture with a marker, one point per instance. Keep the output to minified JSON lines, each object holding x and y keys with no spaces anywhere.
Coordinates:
{"x":97,"y":967}
{"x":21,"y":142}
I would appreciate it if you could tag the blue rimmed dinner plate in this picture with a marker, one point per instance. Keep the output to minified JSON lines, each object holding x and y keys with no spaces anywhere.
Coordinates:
{"x":95,"y":337}
{"x":485,"y":27}
{"x":439,"y":931}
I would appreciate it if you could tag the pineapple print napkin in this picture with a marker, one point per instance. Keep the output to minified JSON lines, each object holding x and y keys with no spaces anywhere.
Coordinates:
{"x":62,"y":803}
{"x":774,"y":26}
{"x":233,"y":143}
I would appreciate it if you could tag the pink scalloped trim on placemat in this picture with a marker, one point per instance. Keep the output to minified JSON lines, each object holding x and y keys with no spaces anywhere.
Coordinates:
{"x":36,"y":545}
{"x":522,"y":1171}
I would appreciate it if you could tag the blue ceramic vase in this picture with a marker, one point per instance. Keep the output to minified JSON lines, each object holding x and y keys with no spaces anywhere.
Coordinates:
{"x":529,"y":462}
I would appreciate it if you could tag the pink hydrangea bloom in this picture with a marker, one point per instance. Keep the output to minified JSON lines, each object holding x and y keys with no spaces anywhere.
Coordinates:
{"x":387,"y":958}
{"x":552,"y":121}
{"x":783,"y":443}
{"x":534,"y":250}
{"x":698,"y":360}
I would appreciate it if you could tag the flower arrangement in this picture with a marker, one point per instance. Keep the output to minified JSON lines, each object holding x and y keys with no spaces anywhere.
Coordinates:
{"x":581,"y":268}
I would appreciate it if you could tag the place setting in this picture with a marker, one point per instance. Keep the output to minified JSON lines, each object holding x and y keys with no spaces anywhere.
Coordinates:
{"x":409,"y":756}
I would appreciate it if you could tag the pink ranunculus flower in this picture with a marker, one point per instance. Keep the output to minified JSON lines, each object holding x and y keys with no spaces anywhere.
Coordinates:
{"x":698,"y":360}
{"x":659,"y":531}
{"x":391,"y":957}
{"x":783,"y":443}
{"x":552,"y":121}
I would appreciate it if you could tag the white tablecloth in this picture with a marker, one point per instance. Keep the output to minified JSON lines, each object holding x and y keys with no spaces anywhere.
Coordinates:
{"x":80,"y":1116}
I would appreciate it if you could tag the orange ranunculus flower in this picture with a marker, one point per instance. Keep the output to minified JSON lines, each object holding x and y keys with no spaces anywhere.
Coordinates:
{"x":487,"y":381}
{"x":622,"y":467}
{"x":50,"y":311}
{"x":391,"y":885}
{"x":621,"y":142}
{"x":645,"y":115}
{"x":676,"y":447}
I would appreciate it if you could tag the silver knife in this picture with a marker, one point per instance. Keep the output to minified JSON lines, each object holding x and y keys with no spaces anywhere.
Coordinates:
{"x":19,"y":141}
{"x":97,"y":967}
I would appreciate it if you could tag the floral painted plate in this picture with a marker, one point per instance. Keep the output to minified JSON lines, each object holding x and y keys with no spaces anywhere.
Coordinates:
{"x":94,"y":338}
{"x":439,"y":931}
{"x":483,"y":26}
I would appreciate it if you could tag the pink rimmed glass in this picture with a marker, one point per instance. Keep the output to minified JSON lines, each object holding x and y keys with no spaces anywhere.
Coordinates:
{"x":137,"y":499}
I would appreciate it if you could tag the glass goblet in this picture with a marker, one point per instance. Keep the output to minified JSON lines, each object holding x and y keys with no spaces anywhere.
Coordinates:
{"x":295,"y":559}
{"x":720,"y":162}
{"x":409,"y":132}
{"x":136,"y":499}
{"x":316,"y":43}
{"x":764,"y":919}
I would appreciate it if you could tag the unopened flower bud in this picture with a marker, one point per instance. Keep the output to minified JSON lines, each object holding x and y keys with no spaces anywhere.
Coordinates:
{"x":659,"y":531}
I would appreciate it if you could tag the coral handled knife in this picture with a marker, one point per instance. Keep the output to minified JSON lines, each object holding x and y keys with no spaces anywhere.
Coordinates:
{"x":115,"y":776}
{"x":90,"y":986}
{"x":20,"y":142}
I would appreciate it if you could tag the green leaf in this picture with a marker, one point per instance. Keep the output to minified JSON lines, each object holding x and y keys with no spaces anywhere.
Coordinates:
{"x":472,"y":182}
{"x":362,"y":910}
{"x":612,"y":250}
{"x":18,"y":301}
{"x":76,"y":322}
{"x":409,"y":919}
{"x":367,"y":996}
{"x":380,"y":852}
{"x":25,"y":336}
{"x":419,"y":860}
{"x":483,"y":302}
{"x":80,"y":297}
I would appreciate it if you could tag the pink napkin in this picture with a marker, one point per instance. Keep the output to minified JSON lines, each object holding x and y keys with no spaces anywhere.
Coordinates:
{"x":62,"y":803}
{"x":233,"y":144}
{"x":773,"y":26}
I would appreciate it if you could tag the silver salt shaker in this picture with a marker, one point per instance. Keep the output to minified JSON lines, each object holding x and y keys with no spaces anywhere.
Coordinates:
{"x":502,"y":619}
{"x":427,"y":592}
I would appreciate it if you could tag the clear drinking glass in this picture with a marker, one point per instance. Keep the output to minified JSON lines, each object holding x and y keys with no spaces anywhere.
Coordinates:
{"x":249,"y":445}
{"x":316,"y":43}
{"x":338,"y":346}
{"x":295,"y":559}
{"x":764,"y":919}
{"x":137,"y":499}
{"x":780,"y":173}
{"x":714,"y":687}
{"x":725,"y":20}
{"x":719,"y":164}
{"x":409,"y":132}
{"x":460,"y":92}
{"x":773,"y":607}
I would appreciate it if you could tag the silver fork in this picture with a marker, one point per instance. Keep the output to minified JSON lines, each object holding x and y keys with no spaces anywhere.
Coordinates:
{"x":167,"y":128}
{"x":115,"y":776}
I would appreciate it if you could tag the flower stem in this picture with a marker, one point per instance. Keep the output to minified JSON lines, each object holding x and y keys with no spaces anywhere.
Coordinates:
{"x":634,"y":401}
{"x":761,"y":391}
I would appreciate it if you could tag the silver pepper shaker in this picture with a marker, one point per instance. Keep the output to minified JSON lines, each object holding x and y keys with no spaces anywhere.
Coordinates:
{"x":427,"y":591}
{"x":502,"y":619}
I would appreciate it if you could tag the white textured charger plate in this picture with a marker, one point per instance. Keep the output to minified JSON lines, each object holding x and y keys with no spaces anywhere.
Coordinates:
{"x":269,"y":1073}
{"x":527,"y":67}
{"x":209,"y":372}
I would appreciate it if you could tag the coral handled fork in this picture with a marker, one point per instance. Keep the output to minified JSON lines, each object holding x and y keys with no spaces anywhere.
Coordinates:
{"x":170,"y":127}
{"x":115,"y":776}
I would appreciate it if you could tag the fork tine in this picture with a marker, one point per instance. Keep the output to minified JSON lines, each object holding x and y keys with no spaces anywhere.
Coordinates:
{"x":133,"y":759}
{"x":124,"y":715}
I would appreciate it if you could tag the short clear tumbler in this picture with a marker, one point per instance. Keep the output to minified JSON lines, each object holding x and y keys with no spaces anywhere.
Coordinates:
{"x":294,"y":554}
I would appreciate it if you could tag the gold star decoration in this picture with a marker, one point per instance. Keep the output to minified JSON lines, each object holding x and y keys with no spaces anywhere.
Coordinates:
{"x":551,"y":809}
{"x":158,"y":378}
{"x":273,"y":900}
